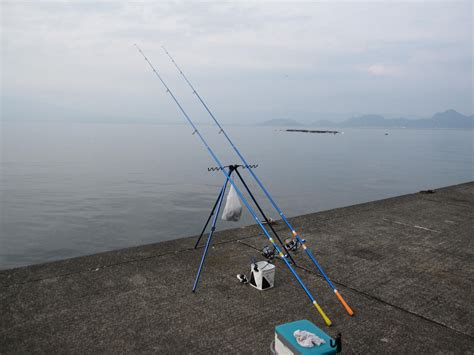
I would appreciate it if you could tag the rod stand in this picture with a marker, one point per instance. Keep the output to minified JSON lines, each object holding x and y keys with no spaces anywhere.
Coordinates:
{"x":215,"y":214}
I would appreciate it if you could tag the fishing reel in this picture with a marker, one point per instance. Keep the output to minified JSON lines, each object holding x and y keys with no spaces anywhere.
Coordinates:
{"x":292,"y":244}
{"x":268,"y":253}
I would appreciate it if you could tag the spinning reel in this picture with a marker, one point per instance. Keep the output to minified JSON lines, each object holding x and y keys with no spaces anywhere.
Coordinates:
{"x":292,"y":244}
{"x":268,"y":253}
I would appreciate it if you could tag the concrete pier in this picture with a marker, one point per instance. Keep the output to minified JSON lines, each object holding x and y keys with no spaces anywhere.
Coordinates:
{"x":404,"y":264}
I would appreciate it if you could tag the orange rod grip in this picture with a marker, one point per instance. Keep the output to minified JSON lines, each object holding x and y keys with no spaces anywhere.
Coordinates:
{"x":346,"y":306}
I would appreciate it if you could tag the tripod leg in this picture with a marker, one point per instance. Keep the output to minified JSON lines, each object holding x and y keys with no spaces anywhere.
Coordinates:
{"x":211,"y":232}
{"x":264,"y":216}
{"x":207,"y":222}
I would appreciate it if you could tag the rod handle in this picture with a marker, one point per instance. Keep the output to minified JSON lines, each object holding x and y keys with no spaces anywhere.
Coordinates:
{"x":346,"y":306}
{"x":321,"y":312}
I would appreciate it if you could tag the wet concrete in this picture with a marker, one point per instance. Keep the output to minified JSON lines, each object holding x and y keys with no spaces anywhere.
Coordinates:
{"x":404,"y":264}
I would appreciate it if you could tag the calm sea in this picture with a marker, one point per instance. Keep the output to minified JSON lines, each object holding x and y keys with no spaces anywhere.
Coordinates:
{"x":74,"y":189}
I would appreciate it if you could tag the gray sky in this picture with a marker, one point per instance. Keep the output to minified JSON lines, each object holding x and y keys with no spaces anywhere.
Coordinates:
{"x":252,"y":61}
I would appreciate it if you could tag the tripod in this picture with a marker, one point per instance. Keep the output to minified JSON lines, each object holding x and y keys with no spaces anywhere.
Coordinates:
{"x":215,"y":212}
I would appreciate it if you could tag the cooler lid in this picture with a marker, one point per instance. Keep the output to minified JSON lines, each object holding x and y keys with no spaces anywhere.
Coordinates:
{"x":285,"y":334}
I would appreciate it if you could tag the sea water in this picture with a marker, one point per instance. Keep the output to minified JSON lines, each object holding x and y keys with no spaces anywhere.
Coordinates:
{"x":71,"y":189}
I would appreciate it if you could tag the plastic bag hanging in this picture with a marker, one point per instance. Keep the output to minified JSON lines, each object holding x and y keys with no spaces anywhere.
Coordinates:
{"x":233,"y":207}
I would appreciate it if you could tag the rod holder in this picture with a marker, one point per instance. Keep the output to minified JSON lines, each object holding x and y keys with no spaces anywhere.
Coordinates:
{"x":233,"y":166}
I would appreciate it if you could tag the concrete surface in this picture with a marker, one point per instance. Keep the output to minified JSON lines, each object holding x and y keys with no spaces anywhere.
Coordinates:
{"x":404,"y":264}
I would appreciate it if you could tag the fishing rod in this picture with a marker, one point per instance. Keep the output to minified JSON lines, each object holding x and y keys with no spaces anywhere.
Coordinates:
{"x":242,"y":198}
{"x":259,"y":182}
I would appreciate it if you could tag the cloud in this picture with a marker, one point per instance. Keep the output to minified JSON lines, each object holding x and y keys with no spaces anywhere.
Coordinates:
{"x":383,"y":70}
{"x":272,"y":58}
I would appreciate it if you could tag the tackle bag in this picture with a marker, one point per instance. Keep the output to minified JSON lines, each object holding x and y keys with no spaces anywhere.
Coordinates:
{"x":233,"y":208}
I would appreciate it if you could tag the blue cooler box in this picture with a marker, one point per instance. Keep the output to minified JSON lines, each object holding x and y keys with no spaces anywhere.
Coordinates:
{"x":286,"y":344}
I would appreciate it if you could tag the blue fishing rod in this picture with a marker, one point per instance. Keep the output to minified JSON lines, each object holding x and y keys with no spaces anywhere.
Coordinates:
{"x":259,"y":182}
{"x":243,"y":199}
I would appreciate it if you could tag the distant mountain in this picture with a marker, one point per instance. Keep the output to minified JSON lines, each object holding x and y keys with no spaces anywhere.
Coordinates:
{"x":281,"y":122}
{"x":324,"y":123}
{"x":447,"y":119}
{"x":378,"y":121}
{"x":452,"y":119}
{"x":366,"y":121}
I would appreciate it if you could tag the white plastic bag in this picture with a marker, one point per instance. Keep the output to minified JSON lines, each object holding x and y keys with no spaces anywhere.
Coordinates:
{"x":233,"y":208}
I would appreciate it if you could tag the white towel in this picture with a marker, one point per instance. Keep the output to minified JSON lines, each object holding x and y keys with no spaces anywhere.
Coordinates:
{"x":307,"y":339}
